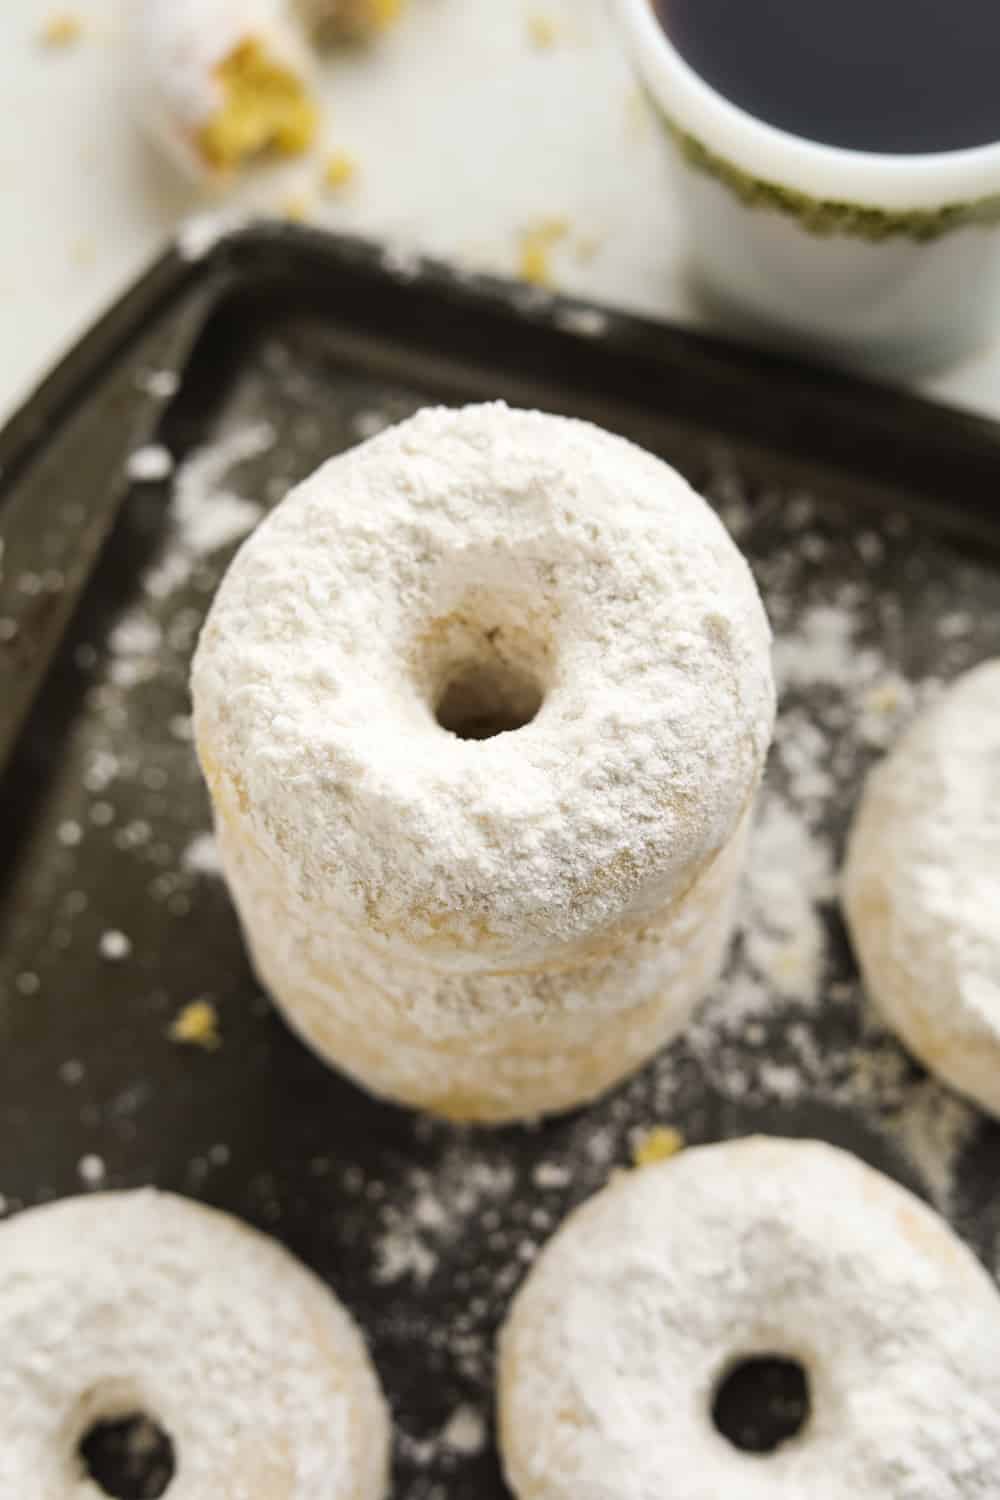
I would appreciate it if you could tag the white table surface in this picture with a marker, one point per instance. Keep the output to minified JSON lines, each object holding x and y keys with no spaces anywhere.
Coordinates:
{"x":465,"y":133}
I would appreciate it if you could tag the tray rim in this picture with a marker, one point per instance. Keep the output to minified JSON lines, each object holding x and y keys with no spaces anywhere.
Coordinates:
{"x":241,"y":255}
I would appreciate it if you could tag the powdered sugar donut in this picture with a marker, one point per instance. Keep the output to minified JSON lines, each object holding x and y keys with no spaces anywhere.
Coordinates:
{"x":127,"y":1303}
{"x":221,"y":80}
{"x":651,"y":1293}
{"x":921,"y":887}
{"x":488,"y":926}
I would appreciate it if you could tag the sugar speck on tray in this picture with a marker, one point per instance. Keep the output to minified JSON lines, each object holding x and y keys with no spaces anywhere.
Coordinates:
{"x":101,"y":771}
{"x":465,"y":1431}
{"x":91,"y":1170}
{"x":550,"y":1174}
{"x":150,"y":464}
{"x":161,"y":384}
{"x":367,"y":424}
{"x":585,"y":322}
{"x":202,"y":855}
{"x":114,"y":946}
{"x":71,"y":1071}
{"x":69,"y":833}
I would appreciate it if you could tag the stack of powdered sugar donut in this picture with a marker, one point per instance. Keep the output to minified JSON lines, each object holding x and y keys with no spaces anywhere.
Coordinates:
{"x":483,"y":707}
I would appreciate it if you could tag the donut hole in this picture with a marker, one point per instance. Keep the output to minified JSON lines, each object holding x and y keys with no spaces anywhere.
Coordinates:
{"x":762,"y":1402}
{"x":487,"y":698}
{"x":130,"y":1458}
{"x":483,"y":669}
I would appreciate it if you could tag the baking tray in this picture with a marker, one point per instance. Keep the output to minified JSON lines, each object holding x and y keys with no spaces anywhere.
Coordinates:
{"x":873,"y":525}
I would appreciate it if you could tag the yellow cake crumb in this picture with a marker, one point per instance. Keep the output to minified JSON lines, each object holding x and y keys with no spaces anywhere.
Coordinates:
{"x":266,"y":108}
{"x":197,"y":1025}
{"x":542,"y":31}
{"x":61,"y":29}
{"x":537,"y":243}
{"x":339,"y":171}
{"x":658,"y":1144}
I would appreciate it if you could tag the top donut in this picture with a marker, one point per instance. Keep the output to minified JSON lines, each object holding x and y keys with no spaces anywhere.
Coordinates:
{"x":488,"y":686}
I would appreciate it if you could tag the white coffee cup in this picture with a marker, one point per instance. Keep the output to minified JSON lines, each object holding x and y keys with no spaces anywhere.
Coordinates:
{"x":890,"y":262}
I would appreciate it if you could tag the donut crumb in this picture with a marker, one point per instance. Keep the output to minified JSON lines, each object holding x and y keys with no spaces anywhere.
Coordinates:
{"x":543,"y":32}
{"x":266,"y":109}
{"x":340,"y":170}
{"x":197,"y":1025}
{"x":658,"y":1144}
{"x":535,"y":250}
{"x":63,"y":28}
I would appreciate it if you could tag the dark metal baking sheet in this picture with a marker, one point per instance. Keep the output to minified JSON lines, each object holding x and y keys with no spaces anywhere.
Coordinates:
{"x":845,"y":498}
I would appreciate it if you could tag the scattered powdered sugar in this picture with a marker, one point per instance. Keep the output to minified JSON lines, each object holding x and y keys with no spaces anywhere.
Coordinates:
{"x":114,"y":946}
{"x":434,"y":1212}
{"x":134,"y":644}
{"x":823,"y":651}
{"x":150,"y":464}
{"x":550,"y":1174}
{"x":465,"y":1431}
{"x":206,"y":514}
{"x":585,"y":322}
{"x":102,"y":769}
{"x":169,"y":574}
{"x":368,"y":423}
{"x":161,"y":384}
{"x":202,"y":855}
{"x":789,"y":877}
{"x":399,"y":1252}
{"x":92,"y":1170}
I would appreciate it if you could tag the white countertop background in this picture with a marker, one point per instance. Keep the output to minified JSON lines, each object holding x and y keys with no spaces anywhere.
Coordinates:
{"x":466,"y":134}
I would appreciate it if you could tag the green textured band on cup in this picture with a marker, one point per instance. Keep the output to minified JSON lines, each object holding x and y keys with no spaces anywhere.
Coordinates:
{"x":822,"y":216}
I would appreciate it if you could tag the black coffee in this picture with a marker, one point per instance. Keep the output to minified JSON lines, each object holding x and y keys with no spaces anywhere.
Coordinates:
{"x":873,"y":75}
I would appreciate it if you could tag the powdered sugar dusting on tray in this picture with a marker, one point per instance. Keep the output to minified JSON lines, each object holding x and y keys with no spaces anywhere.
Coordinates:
{"x":206,"y":512}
